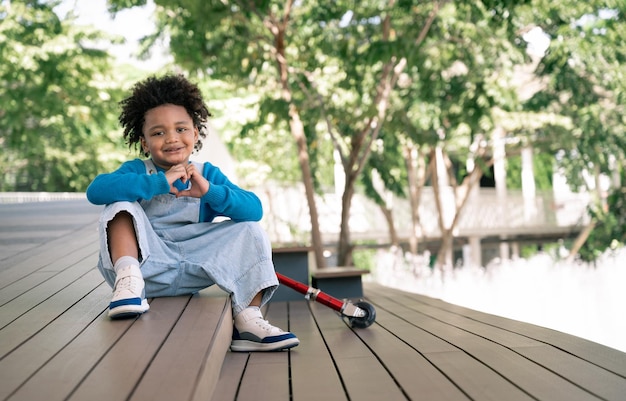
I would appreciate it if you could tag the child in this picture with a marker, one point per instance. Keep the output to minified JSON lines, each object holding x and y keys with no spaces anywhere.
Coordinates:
{"x":157,"y":235}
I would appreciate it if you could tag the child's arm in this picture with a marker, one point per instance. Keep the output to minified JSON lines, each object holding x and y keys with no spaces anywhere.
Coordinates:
{"x":128,"y":183}
{"x":226,"y":199}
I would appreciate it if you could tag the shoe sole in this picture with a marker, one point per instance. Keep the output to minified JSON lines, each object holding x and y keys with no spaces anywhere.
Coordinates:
{"x":129,"y":311}
{"x":253,"y":346}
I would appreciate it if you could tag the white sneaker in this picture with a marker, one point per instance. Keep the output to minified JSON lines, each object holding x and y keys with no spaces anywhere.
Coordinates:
{"x":129,"y":298}
{"x":253,"y":333}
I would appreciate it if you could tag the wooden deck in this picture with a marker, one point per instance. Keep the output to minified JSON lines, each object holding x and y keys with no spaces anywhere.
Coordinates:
{"x":56,"y":342}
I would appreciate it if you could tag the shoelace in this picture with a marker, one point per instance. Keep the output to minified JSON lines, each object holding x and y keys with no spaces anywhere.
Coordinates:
{"x":265,"y":325}
{"x":128,"y":284}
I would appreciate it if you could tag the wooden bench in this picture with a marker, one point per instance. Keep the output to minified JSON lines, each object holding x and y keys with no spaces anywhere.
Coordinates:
{"x":340,"y":282}
{"x":293,"y":262}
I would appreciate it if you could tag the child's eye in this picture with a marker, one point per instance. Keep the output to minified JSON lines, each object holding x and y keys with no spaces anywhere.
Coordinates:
{"x":157,"y":133}
{"x":181,"y":130}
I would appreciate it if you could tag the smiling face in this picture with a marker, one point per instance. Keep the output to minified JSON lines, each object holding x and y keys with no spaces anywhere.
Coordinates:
{"x":169,"y":135}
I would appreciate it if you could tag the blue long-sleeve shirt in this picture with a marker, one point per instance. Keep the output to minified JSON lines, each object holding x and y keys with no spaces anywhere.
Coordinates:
{"x":132,"y":183}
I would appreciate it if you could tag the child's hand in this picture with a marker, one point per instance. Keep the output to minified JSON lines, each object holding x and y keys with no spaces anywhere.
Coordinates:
{"x":196,"y":184}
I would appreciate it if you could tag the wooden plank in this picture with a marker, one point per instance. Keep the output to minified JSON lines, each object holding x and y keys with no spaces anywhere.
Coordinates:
{"x":30,"y":313}
{"x":65,"y":371}
{"x":470,"y":376}
{"x":266,"y":377}
{"x":27,"y":229}
{"x":596,"y":380}
{"x":339,"y":271}
{"x":475,"y":379}
{"x":233,"y":369}
{"x":117,"y":373}
{"x":19,"y":287}
{"x":609,"y":359}
{"x":392,"y":301}
{"x":209,"y":374}
{"x":406,"y":360}
{"x":597,"y":354}
{"x":292,"y":249}
{"x":268,"y":371}
{"x":190,"y":360}
{"x":142,"y":352}
{"x":61,"y":345}
{"x":313,"y":373}
{"x":600,"y":382}
{"x":364,"y":377}
{"x":531,"y":377}
{"x":230,"y":376}
{"x":497,"y":335}
{"x":85,"y":258}
{"x":32,"y":354}
{"x":18,"y":266}
{"x":15,"y":264}
{"x":339,"y":282}
{"x":301,"y":361}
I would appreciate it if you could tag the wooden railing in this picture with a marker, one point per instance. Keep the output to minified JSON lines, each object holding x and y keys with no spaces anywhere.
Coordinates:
{"x":21,"y":197}
{"x":287,"y":219}
{"x":287,"y":213}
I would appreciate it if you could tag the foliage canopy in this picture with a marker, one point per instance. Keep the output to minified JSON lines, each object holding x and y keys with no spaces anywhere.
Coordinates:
{"x":56,"y":109}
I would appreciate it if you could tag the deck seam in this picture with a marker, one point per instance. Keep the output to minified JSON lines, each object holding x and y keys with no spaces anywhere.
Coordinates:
{"x":469,"y":354}
{"x":544,"y":342}
{"x":330,"y":353}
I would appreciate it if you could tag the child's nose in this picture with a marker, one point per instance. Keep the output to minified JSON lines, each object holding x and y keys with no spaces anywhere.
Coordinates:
{"x":170,"y":136}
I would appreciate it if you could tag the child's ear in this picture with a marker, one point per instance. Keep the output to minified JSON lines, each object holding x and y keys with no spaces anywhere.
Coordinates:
{"x":144,"y":146}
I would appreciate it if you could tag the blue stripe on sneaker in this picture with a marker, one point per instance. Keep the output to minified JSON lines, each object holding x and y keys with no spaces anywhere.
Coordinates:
{"x":275,"y":339}
{"x":127,"y":301}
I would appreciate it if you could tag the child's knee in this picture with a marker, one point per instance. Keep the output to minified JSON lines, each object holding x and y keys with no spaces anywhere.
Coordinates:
{"x":123,"y":216}
{"x":256,"y":229}
{"x":259,"y":239}
{"x":121,"y":224}
{"x":121,"y":236}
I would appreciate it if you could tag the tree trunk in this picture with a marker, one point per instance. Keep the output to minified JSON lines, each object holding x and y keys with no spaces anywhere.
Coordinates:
{"x":416,"y":176}
{"x":461,"y":195}
{"x":393,"y":234}
{"x":297,"y":131}
{"x":361,"y":143}
{"x":586,"y":232}
{"x":360,"y":150}
{"x":580,"y":241}
{"x":443,"y":256}
{"x":344,"y":250}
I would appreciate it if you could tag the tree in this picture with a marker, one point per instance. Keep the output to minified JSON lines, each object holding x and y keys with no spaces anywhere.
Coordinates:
{"x":56,"y":109}
{"x":344,"y":72}
{"x":315,"y":64}
{"x":448,"y":104}
{"x":584,"y":71}
{"x":578,"y":111}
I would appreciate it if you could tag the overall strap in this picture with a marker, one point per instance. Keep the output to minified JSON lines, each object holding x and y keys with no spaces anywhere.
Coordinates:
{"x":150,"y":167}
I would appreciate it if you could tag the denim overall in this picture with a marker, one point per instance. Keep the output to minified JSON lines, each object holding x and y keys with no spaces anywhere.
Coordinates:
{"x":180,"y":255}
